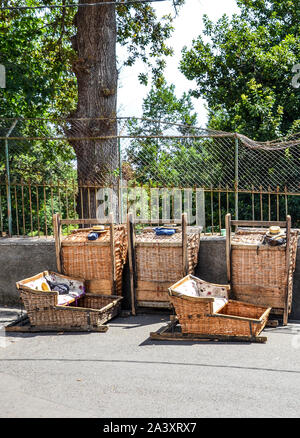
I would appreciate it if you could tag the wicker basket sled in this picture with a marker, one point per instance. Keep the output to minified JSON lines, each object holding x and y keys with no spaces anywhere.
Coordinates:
{"x":259,"y":273}
{"x":76,"y":310}
{"x":159,"y":260}
{"x":100,"y":262}
{"x":204,"y":308}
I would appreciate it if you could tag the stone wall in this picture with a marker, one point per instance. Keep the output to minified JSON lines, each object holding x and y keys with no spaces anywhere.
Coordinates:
{"x":23,"y":257}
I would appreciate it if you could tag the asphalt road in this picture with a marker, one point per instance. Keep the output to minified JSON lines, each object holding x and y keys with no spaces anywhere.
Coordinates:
{"x":122,"y":373}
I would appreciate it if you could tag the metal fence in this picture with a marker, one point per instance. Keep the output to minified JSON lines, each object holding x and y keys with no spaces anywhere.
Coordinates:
{"x":69,"y":166}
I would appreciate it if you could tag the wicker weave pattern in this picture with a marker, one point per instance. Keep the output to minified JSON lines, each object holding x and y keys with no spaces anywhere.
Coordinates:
{"x":38,"y":300}
{"x":84,"y":261}
{"x":259,"y":273}
{"x":92,"y":301}
{"x":264,"y":268}
{"x":92,"y":260}
{"x":42,"y":310}
{"x":193,"y":251}
{"x":159,"y":263}
{"x":196,"y":316}
{"x":58,"y":317}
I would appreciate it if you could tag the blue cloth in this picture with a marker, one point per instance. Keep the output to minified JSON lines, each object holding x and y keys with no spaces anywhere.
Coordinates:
{"x":160,"y":231}
{"x":61,"y":288}
{"x":93,"y":236}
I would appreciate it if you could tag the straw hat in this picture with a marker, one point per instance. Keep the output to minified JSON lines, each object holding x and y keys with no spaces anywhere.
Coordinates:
{"x":275,"y":234}
{"x":98,"y":228}
{"x":273,"y":231}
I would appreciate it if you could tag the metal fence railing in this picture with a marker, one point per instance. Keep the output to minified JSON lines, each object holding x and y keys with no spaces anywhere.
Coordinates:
{"x":85,"y":167}
{"x":33,"y":205}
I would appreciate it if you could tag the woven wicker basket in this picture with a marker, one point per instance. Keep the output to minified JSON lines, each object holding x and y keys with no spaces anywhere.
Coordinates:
{"x":197,"y":314}
{"x":160,"y":262}
{"x":262,"y":274}
{"x":43,"y":311}
{"x":100,"y":262}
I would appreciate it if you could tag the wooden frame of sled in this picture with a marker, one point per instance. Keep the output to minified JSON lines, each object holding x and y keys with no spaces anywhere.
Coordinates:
{"x":172,"y":332}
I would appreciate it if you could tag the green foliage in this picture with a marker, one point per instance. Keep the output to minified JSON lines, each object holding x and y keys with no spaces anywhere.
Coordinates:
{"x":244,"y":70}
{"x":164,"y":161}
{"x":144,"y":37}
{"x":36,"y":49}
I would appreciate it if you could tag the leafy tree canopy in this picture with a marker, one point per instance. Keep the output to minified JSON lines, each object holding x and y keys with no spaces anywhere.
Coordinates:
{"x":36,"y":49}
{"x":243,"y":68}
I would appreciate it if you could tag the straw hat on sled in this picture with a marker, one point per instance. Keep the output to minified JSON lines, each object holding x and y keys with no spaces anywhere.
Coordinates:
{"x":275,"y":232}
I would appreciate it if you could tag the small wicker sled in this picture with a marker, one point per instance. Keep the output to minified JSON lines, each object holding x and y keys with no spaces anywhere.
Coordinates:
{"x":47,"y":309}
{"x":205,"y":309}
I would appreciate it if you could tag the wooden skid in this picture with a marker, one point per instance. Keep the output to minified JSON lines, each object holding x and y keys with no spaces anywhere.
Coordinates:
{"x":23,"y":326}
{"x":155,"y":304}
{"x":272,"y":323}
{"x":172,"y":332}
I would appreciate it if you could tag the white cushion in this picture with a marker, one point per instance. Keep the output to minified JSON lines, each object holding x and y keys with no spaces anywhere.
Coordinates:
{"x":218,"y":303}
{"x":76,"y":288}
{"x":188,"y":288}
{"x":202,"y":289}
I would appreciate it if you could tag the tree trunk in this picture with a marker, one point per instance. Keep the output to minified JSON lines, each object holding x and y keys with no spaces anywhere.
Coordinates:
{"x":96,"y":72}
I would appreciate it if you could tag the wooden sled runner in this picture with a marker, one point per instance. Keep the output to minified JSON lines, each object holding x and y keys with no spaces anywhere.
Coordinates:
{"x":23,"y":325}
{"x":172,"y":332}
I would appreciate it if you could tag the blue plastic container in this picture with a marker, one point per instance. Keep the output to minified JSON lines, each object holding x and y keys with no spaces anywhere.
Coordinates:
{"x":160,"y":231}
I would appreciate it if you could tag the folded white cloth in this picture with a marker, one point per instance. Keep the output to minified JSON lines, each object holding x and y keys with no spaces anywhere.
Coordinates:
{"x":218,"y":303}
{"x":188,"y":288}
{"x":76,"y":288}
{"x":203,"y":289}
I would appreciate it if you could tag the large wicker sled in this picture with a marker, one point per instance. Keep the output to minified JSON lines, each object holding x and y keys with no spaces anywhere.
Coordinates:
{"x":259,"y":273}
{"x":159,"y":260}
{"x":204,"y":308}
{"x":100,"y":262}
{"x":75,"y":310}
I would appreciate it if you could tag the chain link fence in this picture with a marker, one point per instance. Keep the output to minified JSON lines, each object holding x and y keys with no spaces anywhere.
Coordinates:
{"x":99,"y":151}
{"x":269,"y":165}
{"x":76,"y":166}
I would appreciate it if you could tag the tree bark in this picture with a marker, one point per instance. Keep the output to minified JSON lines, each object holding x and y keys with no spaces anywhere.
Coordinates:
{"x":96,"y":72}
